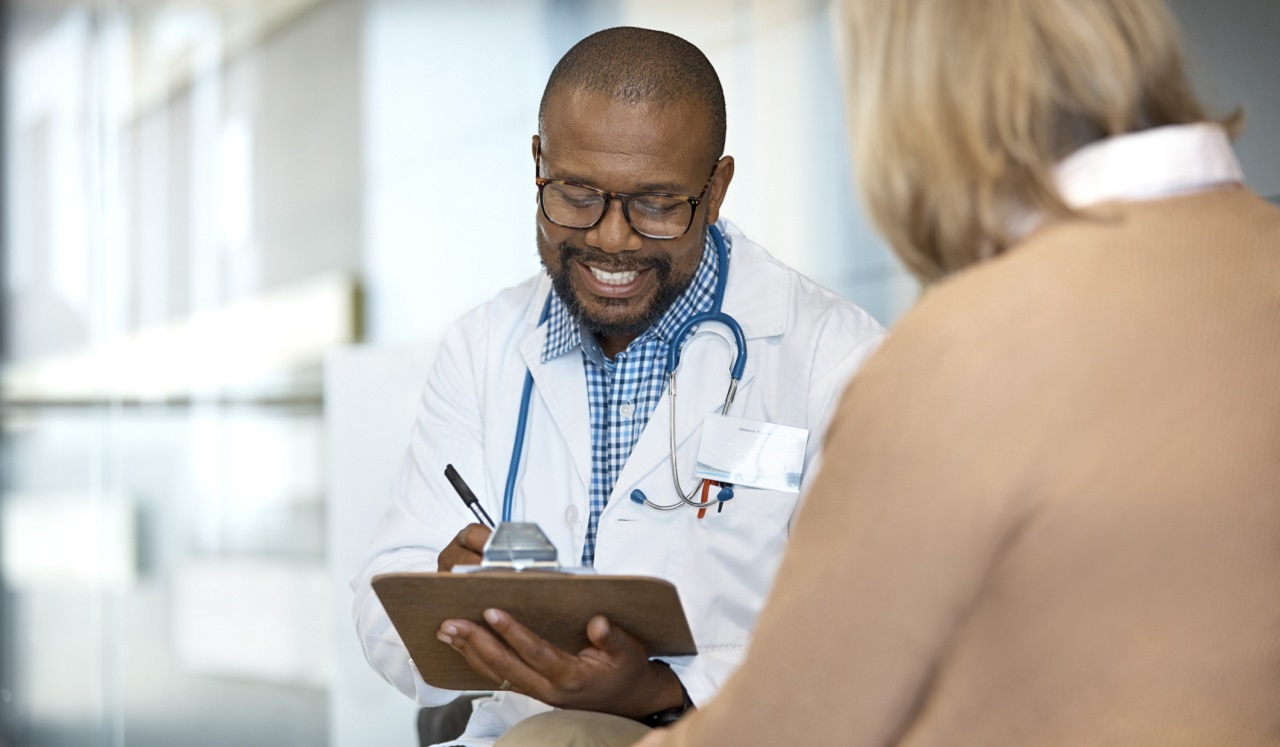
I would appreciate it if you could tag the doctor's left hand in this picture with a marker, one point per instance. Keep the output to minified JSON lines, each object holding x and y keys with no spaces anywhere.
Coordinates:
{"x":613,"y":675}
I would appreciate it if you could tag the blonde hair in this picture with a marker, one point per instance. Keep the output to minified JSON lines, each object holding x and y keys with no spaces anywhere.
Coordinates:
{"x":960,"y":109}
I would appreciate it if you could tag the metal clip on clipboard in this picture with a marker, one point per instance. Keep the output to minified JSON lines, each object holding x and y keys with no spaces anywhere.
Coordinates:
{"x":519,"y":546}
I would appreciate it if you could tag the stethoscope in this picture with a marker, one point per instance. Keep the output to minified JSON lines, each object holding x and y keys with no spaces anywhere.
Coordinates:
{"x":673,"y":362}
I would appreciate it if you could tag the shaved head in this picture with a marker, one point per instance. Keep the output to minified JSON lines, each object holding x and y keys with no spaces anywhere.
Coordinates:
{"x":635,"y":66}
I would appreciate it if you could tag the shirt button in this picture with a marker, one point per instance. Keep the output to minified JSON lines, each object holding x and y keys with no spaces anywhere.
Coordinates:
{"x":626,"y":410}
{"x":571,"y":515}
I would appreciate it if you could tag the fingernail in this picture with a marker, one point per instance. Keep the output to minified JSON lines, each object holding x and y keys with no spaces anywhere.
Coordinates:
{"x":449,"y":629}
{"x":444,"y":639}
{"x":492,"y":616}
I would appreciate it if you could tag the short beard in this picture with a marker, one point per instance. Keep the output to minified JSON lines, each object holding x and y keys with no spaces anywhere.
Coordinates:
{"x":668,"y":290}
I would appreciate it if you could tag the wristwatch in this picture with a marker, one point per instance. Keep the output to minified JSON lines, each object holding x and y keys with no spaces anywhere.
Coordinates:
{"x":669,"y":716}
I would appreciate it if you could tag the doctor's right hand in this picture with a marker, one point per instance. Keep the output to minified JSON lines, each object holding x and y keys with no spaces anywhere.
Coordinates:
{"x":465,"y":548}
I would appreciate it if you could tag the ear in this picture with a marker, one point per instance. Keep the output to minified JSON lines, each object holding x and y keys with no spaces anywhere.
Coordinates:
{"x":719,"y":187}
{"x":536,"y":144}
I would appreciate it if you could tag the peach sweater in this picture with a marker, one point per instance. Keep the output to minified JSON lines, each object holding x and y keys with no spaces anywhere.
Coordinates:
{"x":1050,"y":511}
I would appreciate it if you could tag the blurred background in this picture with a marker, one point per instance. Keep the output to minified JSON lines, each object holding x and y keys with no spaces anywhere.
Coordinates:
{"x":233,"y":233}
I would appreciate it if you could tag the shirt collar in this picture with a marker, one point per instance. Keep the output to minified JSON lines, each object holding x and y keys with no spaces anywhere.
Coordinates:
{"x":564,"y":333}
{"x":1151,"y":164}
{"x":1146,"y":165}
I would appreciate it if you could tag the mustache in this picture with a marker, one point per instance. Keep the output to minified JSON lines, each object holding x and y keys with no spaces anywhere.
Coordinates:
{"x":613,"y":262}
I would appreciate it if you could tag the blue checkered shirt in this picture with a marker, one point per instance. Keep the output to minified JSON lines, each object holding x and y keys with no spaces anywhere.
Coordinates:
{"x":621,"y":393}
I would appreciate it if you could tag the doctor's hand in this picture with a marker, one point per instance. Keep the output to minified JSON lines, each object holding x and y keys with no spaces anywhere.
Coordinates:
{"x":465,"y":548}
{"x":612,"y":675}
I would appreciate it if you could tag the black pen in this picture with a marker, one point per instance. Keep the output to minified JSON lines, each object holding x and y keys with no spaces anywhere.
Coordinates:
{"x":467,"y":496}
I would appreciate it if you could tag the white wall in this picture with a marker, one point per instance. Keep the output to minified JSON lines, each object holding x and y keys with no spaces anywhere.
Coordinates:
{"x":370,"y":402}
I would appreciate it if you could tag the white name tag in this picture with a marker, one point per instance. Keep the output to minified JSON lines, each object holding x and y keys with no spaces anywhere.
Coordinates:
{"x":752,"y":453}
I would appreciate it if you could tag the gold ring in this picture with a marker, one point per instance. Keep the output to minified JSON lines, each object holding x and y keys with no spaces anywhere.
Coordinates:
{"x":506,"y":685}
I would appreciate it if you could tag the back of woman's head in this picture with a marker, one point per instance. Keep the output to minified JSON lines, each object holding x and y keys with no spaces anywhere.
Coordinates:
{"x":960,"y":109}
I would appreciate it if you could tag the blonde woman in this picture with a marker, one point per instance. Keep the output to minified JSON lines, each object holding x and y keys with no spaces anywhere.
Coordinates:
{"x":1051,"y":508}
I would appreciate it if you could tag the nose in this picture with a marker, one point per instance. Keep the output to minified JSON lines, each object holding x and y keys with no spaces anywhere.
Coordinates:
{"x":613,"y":233}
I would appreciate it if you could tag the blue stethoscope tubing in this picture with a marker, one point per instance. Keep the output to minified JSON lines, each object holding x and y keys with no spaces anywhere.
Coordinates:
{"x":715,"y":315}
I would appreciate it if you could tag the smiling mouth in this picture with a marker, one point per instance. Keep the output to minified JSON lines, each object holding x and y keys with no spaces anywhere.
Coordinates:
{"x":613,"y":284}
{"x":614,"y":278}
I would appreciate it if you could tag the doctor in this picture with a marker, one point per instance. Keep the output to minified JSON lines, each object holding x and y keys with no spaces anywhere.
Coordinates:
{"x":630,"y":177}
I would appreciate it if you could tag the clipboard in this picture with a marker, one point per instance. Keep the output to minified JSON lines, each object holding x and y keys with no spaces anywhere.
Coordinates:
{"x":556,"y":606}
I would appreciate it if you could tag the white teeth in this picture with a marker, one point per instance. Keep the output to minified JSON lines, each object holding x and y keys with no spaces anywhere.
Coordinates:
{"x":614,"y":278}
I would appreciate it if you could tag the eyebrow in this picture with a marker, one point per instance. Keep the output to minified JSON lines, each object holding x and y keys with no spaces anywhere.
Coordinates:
{"x":667,"y":187}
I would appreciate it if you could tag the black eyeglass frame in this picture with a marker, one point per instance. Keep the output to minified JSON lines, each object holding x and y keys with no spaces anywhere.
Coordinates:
{"x":624,"y":197}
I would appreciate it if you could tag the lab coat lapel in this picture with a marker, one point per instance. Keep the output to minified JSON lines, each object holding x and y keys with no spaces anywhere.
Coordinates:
{"x":560,"y":386}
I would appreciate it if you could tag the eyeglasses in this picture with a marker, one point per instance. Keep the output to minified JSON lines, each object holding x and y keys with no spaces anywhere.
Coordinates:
{"x":655,"y":215}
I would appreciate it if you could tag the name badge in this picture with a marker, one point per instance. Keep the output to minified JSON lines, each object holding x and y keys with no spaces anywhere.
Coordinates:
{"x":752,"y":453}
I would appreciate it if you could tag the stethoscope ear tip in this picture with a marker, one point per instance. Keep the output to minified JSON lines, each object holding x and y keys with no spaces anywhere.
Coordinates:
{"x":725,"y":494}
{"x":638,"y":496}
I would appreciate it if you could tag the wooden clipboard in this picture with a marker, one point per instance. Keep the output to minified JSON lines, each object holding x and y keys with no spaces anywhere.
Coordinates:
{"x":556,"y":606}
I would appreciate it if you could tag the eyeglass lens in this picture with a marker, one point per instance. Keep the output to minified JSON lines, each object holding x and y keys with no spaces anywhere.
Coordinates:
{"x":655,"y":216}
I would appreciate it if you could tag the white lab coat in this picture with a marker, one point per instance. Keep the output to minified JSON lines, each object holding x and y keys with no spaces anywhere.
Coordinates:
{"x":803,"y":344}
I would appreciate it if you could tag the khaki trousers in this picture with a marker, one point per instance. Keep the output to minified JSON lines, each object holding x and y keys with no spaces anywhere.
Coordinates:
{"x":574,"y":729}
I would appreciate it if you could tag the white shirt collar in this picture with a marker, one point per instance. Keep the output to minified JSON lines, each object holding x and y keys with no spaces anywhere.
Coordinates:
{"x":1147,"y":165}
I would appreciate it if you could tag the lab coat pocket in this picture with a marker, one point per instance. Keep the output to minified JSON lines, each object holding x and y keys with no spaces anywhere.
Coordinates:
{"x":726,"y":564}
{"x":754,"y":501}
